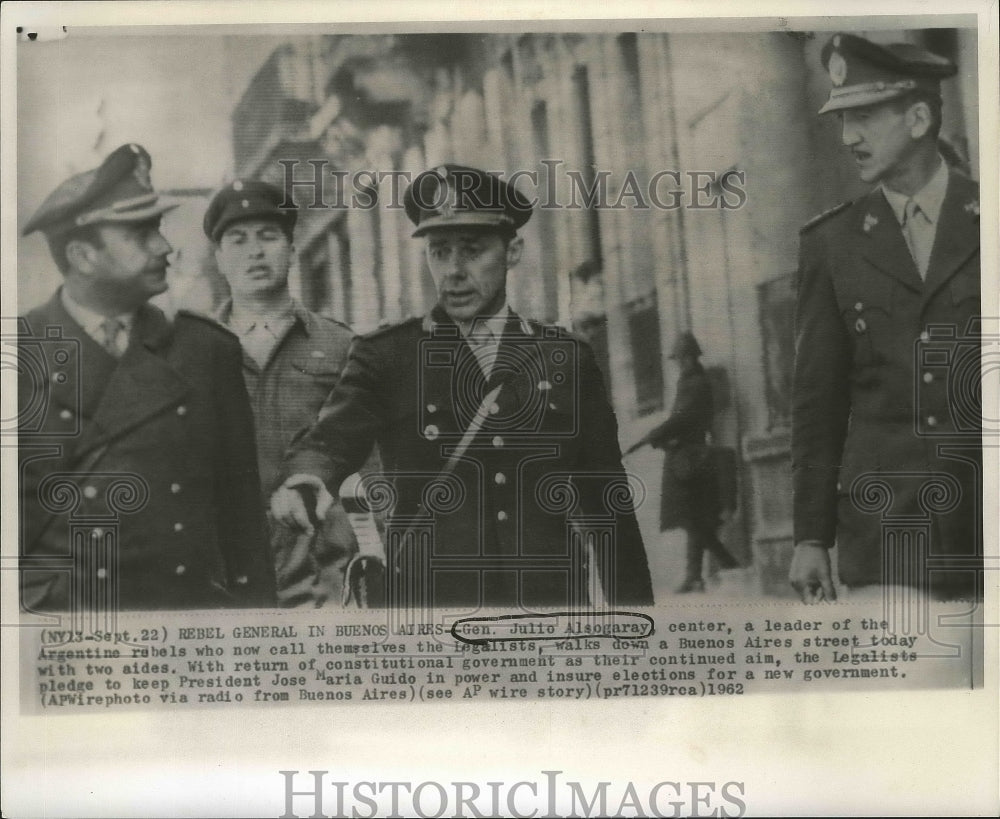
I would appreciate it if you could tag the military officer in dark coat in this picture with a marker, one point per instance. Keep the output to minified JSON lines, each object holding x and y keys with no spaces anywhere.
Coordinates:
{"x":139,"y":485}
{"x":886,"y":435}
{"x":689,"y":491}
{"x":495,"y":431}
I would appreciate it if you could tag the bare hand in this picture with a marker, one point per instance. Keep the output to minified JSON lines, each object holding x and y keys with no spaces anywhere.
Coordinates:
{"x":810,"y":573}
{"x":292,"y":504}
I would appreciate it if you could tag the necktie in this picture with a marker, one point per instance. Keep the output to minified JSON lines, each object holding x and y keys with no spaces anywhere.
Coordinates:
{"x":483,"y":348}
{"x":915,"y":226}
{"x":111,"y":333}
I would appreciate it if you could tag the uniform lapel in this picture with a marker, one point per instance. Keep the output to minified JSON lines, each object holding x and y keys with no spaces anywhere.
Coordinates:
{"x":87,"y":359}
{"x":957,"y":235}
{"x":882,"y":242}
{"x":143,"y":384}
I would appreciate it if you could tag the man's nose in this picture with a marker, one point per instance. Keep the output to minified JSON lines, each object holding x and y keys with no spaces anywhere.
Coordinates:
{"x":160,"y":245}
{"x":850,"y":134}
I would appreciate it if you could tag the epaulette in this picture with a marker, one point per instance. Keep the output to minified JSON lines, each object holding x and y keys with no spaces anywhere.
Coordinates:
{"x":204,"y":318}
{"x":336,"y":323}
{"x":385,"y":329}
{"x":822,"y":217}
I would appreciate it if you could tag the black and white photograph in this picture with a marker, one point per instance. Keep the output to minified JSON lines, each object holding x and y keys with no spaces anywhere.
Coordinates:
{"x":365,"y":370}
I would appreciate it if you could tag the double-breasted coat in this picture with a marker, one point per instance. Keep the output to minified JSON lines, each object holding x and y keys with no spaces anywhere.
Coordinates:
{"x":138,"y":476}
{"x":545,"y":463}
{"x":886,"y":435}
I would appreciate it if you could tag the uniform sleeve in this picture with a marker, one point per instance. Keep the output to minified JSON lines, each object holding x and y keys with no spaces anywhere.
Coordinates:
{"x":350,"y":421}
{"x":599,"y":426}
{"x":241,"y":523}
{"x":820,"y":397}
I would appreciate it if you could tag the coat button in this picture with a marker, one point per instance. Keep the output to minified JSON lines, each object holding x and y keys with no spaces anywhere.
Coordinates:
{"x":858,"y":306}
{"x":181,"y":568}
{"x":552,"y":406}
{"x":501,"y":516}
{"x":860,"y":325}
{"x":90,"y":492}
{"x":102,"y":573}
{"x":931,"y":421}
{"x":498,"y":442}
{"x":928,"y":377}
{"x":494,"y":409}
{"x":431,"y":432}
{"x":925,"y":336}
{"x":242,"y":580}
{"x":66,"y":415}
{"x":175,"y":488}
{"x":500,"y":479}
{"x":178,"y":527}
{"x":432,"y":408}
{"x":97,"y":534}
{"x":182,"y":410}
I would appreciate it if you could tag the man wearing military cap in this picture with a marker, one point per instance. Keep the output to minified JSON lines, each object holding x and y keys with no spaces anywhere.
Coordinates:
{"x":888,"y":300}
{"x":139,"y":485}
{"x":689,"y":491}
{"x":292,"y":358}
{"x":495,"y":431}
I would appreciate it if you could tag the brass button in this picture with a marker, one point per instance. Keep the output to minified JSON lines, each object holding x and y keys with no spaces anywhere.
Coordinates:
{"x":90,"y":492}
{"x":102,"y":573}
{"x":928,"y":377}
{"x":182,"y":410}
{"x":498,"y":442}
{"x":66,"y":415}
{"x":860,"y":325}
{"x":181,"y":568}
{"x":175,"y":488}
{"x":178,"y":527}
{"x":931,"y":421}
{"x":500,"y":479}
{"x":501,"y":516}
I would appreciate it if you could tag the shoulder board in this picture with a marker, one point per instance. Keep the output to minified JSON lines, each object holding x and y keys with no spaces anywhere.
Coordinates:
{"x":822,"y":217}
{"x":387,"y":329}
{"x":205,"y":319}
{"x":334,"y":322}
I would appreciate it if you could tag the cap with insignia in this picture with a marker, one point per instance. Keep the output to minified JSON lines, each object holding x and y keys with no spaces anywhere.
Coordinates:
{"x":864,"y":73}
{"x":247,"y":199}
{"x":457,"y":196}
{"x":119,"y":190}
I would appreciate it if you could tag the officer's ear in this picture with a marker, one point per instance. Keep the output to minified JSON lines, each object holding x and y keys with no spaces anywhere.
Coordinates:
{"x":82,"y":255}
{"x":919,"y":119}
{"x":514,"y":249}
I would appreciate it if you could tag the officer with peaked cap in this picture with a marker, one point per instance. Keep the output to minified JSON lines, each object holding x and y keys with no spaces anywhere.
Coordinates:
{"x":292,"y":358}
{"x":498,"y":441}
{"x":139,"y":484}
{"x":689,"y":494}
{"x":888,"y":295}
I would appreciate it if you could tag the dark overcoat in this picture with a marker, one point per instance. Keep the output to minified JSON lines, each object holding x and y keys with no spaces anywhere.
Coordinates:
{"x":689,"y":489}
{"x":138,"y":475}
{"x":886,"y":434}
{"x":544,"y":466}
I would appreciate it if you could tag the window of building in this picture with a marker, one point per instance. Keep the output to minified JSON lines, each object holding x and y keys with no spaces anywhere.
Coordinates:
{"x":647,"y":364}
{"x":776,"y":300}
